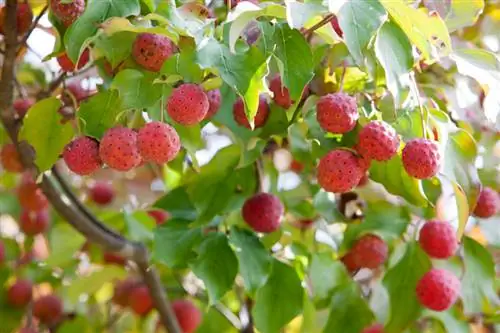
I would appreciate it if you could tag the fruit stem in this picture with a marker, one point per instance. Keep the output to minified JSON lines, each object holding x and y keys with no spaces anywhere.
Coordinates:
{"x":419,"y":101}
{"x":318,"y":25}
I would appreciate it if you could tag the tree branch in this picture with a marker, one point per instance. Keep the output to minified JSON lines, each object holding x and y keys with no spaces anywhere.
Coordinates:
{"x":318,"y":25}
{"x":33,"y":26}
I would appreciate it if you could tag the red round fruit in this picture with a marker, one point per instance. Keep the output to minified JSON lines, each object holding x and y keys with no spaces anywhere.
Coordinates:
{"x":421,"y":158}
{"x":375,"y":328}
{"x":296,"y":166}
{"x":140,"y":300}
{"x":349,"y":263}
{"x":48,"y":309}
{"x":188,"y":104}
{"x":102,"y":193}
{"x":24,"y":18}
{"x":488,"y":203}
{"x":122,"y":291}
{"x":260,"y":117}
{"x":187,"y":314}
{"x":22,"y":105}
{"x":438,"y":239}
{"x":337,"y":113}
{"x":159,"y":215}
{"x":20,"y":293}
{"x":118,"y":149}
{"x":34,"y":222}
{"x":67,"y":12}
{"x":263,"y":212}
{"x":378,"y":141}
{"x":369,"y":251}
{"x":158,"y":142}
{"x":336,"y":26}
{"x":11,"y":161}
{"x":68,"y":66}
{"x":82,"y":156}
{"x":31,"y":197}
{"x":281,"y":95}
{"x":339,"y":171}
{"x":114,"y":259}
{"x":438,"y":289}
{"x":152,"y":50}
{"x":214,"y":100}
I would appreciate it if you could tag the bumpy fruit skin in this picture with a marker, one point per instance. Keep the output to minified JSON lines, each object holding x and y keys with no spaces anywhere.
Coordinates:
{"x":24,"y":18}
{"x":438,"y":239}
{"x":337,"y":113}
{"x":263,"y":212}
{"x":114,"y":259}
{"x":34,"y":222}
{"x":339,"y":171}
{"x":122,"y":291}
{"x":336,"y":26}
{"x":68,"y":66}
{"x":140,"y":300}
{"x":438,"y":289}
{"x":82,"y":156}
{"x":48,"y":309}
{"x":187,"y":314}
{"x":369,"y":251}
{"x":158,"y":142}
{"x":31,"y":197}
{"x":488,"y":203}
{"x":375,"y":328}
{"x":20,"y":293}
{"x":378,"y":141}
{"x":260,"y":117}
{"x":214,"y":101}
{"x":160,"y":216}
{"x":118,"y":149}
{"x":22,"y":105}
{"x":188,"y":104}
{"x":151,"y":50}
{"x":67,"y":12}
{"x":421,"y":158}
{"x":102,"y":193}
{"x":11,"y":161}
{"x":281,"y":95}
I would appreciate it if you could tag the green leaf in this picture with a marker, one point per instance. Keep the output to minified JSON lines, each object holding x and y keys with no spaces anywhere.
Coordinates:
{"x":400,"y":282}
{"x":115,"y":48}
{"x":326,"y":274}
{"x":428,"y":33}
{"x":178,"y":204}
{"x":451,"y":323}
{"x":360,"y":20}
{"x":136,"y":88}
{"x":64,"y":243}
{"x":184,"y":65}
{"x":86,"y":26}
{"x":174,"y":243}
{"x":121,"y":24}
{"x":298,"y":14}
{"x":139,"y":226}
{"x":457,"y":14}
{"x":254,"y":261}
{"x":216,"y":265}
{"x":43,"y":130}
{"x":482,"y":65}
{"x":349,"y":311}
{"x":100,"y":112}
{"x":478,"y":283}
{"x":279,"y":300}
{"x":79,"y":324}
{"x":393,"y":50}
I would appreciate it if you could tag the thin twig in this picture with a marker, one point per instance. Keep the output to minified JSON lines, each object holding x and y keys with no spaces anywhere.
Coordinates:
{"x":419,"y":101}
{"x":33,"y":26}
{"x":318,"y":25}
{"x":342,"y":76}
{"x":246,"y":316}
{"x":20,"y":89}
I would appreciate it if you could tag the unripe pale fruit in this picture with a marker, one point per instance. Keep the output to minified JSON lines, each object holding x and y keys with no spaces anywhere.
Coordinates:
{"x":11,"y":161}
{"x":339,"y":171}
{"x":34,"y":222}
{"x":263,"y":212}
{"x":31,"y":197}
{"x":20,"y":293}
{"x":158,"y":142}
{"x":438,"y":239}
{"x":214,"y":101}
{"x":122,"y":291}
{"x":260,"y":117}
{"x":187,"y":314}
{"x":82,"y":156}
{"x":337,"y":113}
{"x":22,"y":105}
{"x":488,"y":203}
{"x":24,"y":18}
{"x":369,"y":251}
{"x":375,"y":328}
{"x":421,"y":158}
{"x":159,"y":215}
{"x":67,"y":12}
{"x":102,"y":193}
{"x":152,"y":50}
{"x":438,"y":289}
{"x":68,"y":66}
{"x":48,"y":309}
{"x":281,"y":95}
{"x":140,"y":300}
{"x":188,"y":104}
{"x":378,"y":141}
{"x":114,"y":259}
{"x":118,"y":149}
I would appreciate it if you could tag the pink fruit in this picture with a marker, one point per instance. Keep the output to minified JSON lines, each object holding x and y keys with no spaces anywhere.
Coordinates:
{"x":22,"y":105}
{"x":369,"y":251}
{"x":79,"y":93}
{"x":34,"y":222}
{"x":122,"y":291}
{"x":82,"y":156}
{"x":140,"y":300}
{"x":421,"y":158}
{"x":339,"y":171}
{"x":438,"y":239}
{"x":188,"y":104}
{"x":375,"y":328}
{"x":159,"y":215}
{"x":102,"y":193}
{"x":214,"y":100}
{"x":187,"y":314}
{"x":152,"y":50}
{"x":118,"y":149}
{"x":67,"y":12}
{"x":10,"y":158}
{"x":438,"y":289}
{"x":260,"y":118}
{"x":31,"y":197}
{"x":263,"y":212}
{"x":48,"y":309}
{"x":68,"y":66}
{"x":337,"y":113}
{"x":158,"y":142}
{"x":378,"y":141}
{"x":281,"y":95}
{"x":20,"y":293}
{"x":488,"y":203}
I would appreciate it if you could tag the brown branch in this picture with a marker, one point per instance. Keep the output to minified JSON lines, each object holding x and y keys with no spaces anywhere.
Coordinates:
{"x":318,"y":25}
{"x":33,"y":26}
